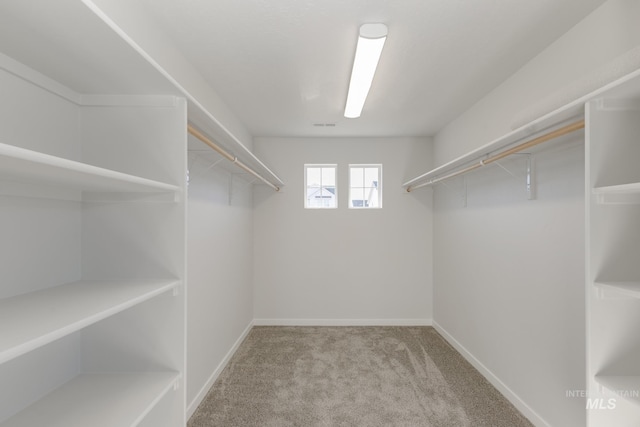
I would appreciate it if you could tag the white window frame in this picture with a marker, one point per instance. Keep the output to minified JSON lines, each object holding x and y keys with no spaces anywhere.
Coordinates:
{"x":379,"y":185}
{"x":320,"y":166}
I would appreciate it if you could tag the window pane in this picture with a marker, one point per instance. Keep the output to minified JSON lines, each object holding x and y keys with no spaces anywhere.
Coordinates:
{"x":329,"y":176}
{"x":356,"y":178}
{"x":320,"y":191}
{"x":371,"y":177}
{"x":313,"y":177}
{"x":371,"y":194}
{"x":365,"y":186}
{"x":357,"y":198}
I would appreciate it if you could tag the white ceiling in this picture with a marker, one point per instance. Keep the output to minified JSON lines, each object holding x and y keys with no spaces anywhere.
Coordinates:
{"x":283,"y":65}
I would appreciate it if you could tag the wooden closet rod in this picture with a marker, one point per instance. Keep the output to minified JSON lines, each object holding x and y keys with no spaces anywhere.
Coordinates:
{"x":536,"y":141}
{"x":233,"y":159}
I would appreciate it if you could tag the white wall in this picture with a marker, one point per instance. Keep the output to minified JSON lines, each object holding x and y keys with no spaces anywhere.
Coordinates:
{"x":509,"y":281}
{"x":509,"y":273}
{"x":343,"y":266}
{"x":220,"y":297}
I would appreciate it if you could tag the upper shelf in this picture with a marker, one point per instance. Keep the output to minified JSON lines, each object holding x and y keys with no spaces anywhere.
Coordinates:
{"x":22,"y":165}
{"x":205,"y":108}
{"x":78,"y":37}
{"x":620,"y":87}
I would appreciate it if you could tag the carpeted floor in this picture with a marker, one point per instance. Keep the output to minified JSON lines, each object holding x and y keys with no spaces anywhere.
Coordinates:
{"x":352,"y":376}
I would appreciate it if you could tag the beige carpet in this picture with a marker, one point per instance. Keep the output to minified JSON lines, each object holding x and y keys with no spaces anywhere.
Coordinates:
{"x":351,"y":376}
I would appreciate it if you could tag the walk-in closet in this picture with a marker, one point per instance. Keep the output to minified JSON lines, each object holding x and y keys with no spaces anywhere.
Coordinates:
{"x":200,"y":225}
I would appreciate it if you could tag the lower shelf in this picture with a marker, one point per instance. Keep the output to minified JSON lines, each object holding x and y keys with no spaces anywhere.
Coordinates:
{"x":98,"y":400}
{"x":624,"y":386}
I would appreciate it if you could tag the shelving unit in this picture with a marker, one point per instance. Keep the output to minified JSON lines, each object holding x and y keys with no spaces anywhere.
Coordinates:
{"x":93,"y":171}
{"x":93,"y":214}
{"x":613,"y":245}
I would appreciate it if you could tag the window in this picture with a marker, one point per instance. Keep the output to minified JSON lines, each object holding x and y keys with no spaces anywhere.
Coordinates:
{"x":365,"y":186}
{"x":320,"y":187}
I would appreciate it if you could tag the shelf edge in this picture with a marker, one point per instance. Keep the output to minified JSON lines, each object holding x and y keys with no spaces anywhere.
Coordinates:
{"x":31,"y":344}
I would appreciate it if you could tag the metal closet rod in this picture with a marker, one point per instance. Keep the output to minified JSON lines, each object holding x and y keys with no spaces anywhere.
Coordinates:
{"x":539,"y":140}
{"x":233,"y":159}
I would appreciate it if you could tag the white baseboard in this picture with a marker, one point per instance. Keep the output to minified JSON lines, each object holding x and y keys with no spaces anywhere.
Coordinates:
{"x":525,"y":409}
{"x":193,"y":405}
{"x":342,"y":322}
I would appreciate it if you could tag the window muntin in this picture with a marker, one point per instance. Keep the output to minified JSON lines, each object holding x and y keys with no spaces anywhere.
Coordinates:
{"x":321,"y":191}
{"x":365,"y":186}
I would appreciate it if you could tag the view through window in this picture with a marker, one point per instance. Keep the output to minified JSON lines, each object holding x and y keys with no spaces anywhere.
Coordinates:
{"x":365,"y":186}
{"x":320,"y":187}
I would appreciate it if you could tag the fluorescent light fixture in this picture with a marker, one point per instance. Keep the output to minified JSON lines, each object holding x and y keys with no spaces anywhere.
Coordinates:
{"x":370,"y":44}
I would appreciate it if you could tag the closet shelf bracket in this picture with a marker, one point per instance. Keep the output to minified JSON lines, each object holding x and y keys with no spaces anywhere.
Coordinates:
{"x":529,"y":176}
{"x":214,"y":164}
{"x":462,"y":192}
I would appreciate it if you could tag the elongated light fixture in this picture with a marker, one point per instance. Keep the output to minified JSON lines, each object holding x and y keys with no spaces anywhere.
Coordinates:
{"x":370,"y":44}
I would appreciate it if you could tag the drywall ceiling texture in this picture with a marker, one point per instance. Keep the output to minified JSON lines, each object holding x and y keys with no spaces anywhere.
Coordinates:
{"x":284,"y":65}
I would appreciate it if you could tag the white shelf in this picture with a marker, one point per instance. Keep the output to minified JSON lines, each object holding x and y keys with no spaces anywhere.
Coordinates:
{"x":625,"y":289}
{"x":625,"y":386}
{"x":618,"y":194}
{"x":32,"y":320}
{"x":98,"y":400}
{"x":22,"y":165}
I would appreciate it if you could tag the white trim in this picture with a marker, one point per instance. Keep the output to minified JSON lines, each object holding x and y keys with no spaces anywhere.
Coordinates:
{"x":512,"y":397}
{"x":342,"y":322}
{"x":191,"y":407}
{"x":92,"y":100}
